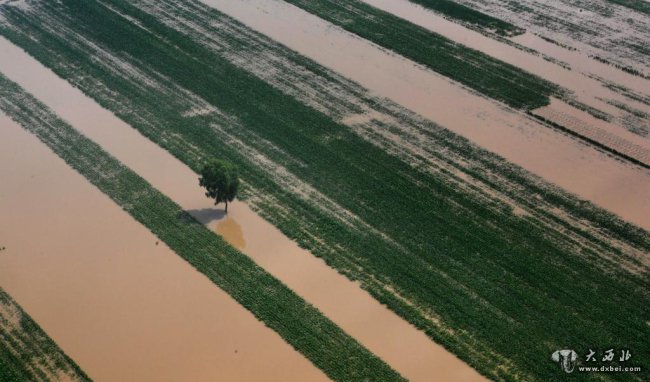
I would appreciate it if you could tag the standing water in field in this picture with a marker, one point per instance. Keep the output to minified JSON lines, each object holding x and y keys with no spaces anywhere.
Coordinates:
{"x":118,"y":301}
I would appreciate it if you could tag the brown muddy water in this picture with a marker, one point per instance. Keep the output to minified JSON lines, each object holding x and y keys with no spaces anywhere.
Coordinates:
{"x":124,"y":306}
{"x":401,"y":345}
{"x":580,"y":169}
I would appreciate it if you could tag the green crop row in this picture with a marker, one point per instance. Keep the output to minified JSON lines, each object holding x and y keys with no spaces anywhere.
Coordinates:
{"x":636,"y":5}
{"x":476,"y":70}
{"x":300,"y":324}
{"x":499,"y":286}
{"x":467,"y":15}
{"x":27,"y":353}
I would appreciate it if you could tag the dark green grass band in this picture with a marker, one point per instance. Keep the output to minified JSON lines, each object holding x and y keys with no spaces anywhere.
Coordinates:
{"x":467,"y":15}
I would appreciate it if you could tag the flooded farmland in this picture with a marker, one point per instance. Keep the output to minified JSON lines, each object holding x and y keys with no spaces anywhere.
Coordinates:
{"x":588,"y":81}
{"x":118,"y":301}
{"x":394,"y":340}
{"x":597,"y":28}
{"x":400,"y":216}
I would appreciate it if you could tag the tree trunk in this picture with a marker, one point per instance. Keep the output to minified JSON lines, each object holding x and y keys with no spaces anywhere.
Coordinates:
{"x":226,"y":206}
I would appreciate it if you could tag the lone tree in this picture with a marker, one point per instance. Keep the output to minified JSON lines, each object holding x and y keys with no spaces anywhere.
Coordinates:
{"x":221,"y":181}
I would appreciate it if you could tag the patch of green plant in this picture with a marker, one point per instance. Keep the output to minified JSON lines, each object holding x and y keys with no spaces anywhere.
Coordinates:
{"x":300,"y":324}
{"x":27,"y":353}
{"x":496,"y":284}
{"x":596,"y":113}
{"x":467,"y":15}
{"x":555,"y":42}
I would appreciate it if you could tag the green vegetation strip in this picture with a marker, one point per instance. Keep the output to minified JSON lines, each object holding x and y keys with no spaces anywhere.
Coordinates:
{"x":300,"y":324}
{"x":26,"y":351}
{"x":635,"y":5}
{"x":467,"y":15}
{"x":474,"y":69}
{"x":501,"y":291}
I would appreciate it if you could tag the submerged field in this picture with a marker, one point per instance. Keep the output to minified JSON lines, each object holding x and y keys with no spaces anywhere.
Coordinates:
{"x":408,"y":350}
{"x":608,"y":92}
{"x":500,"y":267}
{"x":27,"y":353}
{"x":114,"y":297}
{"x":611,"y":30}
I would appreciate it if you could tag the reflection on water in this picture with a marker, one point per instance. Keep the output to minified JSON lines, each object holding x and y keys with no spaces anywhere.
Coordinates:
{"x":225,"y":225}
{"x":230,"y":230}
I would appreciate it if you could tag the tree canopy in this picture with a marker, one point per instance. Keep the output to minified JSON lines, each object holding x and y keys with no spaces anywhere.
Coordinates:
{"x":221,"y":181}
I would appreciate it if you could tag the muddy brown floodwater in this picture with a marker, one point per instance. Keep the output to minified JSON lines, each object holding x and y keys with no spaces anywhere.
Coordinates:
{"x":124,"y":306}
{"x":401,"y":345}
{"x":580,"y":169}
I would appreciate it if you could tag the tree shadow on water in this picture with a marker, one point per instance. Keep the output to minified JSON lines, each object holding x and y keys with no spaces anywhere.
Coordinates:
{"x":207,"y":215}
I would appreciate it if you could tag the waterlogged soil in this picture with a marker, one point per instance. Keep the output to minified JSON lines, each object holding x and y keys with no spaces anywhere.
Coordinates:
{"x":549,"y":61}
{"x":465,"y":292}
{"x":580,"y":61}
{"x":114,"y":298}
{"x":596,"y":27}
{"x":402,"y":346}
{"x":569,"y":163}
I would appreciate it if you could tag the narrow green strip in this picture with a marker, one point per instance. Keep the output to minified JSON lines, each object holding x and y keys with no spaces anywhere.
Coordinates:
{"x":300,"y":324}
